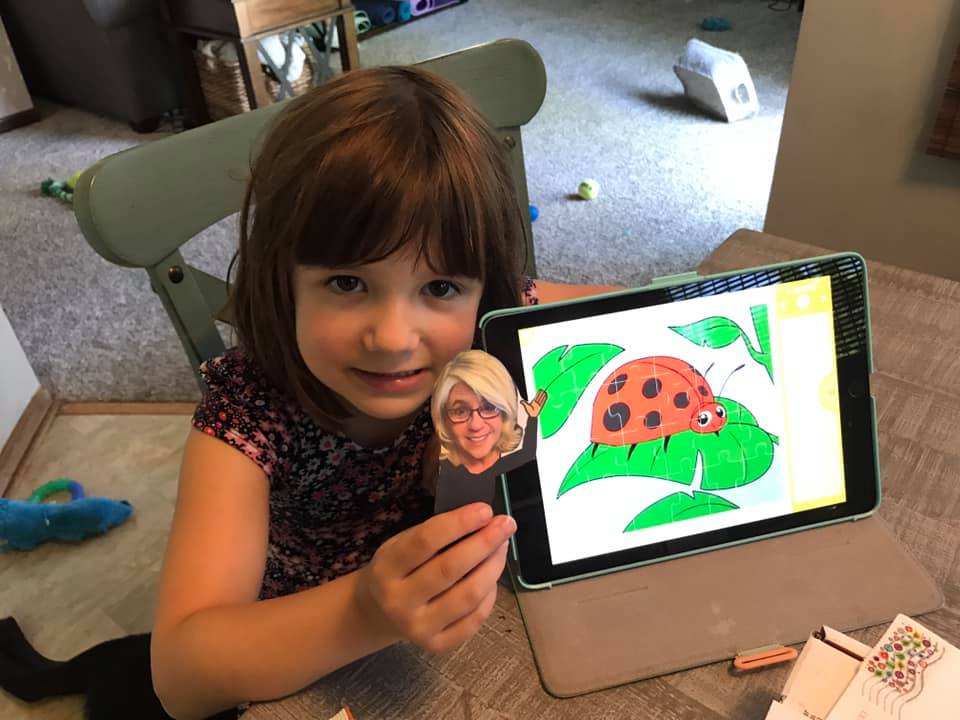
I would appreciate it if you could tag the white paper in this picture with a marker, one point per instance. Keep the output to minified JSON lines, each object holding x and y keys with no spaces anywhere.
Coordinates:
{"x":912,"y":674}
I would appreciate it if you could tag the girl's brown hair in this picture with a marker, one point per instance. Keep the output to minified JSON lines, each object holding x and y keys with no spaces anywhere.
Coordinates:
{"x":368,"y":163}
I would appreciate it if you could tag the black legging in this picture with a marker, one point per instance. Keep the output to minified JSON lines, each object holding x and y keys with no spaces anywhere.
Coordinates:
{"x":114,"y":676}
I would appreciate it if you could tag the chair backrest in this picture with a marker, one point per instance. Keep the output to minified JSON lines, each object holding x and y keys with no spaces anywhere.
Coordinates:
{"x":138,"y":207}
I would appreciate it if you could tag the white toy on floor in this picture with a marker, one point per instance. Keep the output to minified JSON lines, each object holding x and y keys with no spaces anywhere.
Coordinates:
{"x":717,"y":80}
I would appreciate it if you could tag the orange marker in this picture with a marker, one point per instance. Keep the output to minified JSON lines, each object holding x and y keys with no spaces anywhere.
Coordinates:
{"x":763,"y":657}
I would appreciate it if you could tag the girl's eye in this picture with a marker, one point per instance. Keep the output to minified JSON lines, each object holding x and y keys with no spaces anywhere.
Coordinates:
{"x":344,"y":283}
{"x":442,"y":289}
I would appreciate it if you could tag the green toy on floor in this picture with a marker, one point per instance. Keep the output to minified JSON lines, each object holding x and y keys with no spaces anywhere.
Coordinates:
{"x":61,"y":189}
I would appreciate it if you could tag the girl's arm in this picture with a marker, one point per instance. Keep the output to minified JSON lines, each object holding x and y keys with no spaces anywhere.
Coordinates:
{"x":215,"y":645}
{"x":548,"y":292}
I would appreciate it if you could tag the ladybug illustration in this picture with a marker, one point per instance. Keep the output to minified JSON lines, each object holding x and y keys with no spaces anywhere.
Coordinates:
{"x":654,"y":397}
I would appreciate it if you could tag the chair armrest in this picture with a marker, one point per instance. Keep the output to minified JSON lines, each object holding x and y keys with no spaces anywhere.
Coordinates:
{"x":109,"y":14}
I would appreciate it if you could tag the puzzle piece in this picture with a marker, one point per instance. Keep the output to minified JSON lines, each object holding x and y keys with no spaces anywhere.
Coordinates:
{"x":754,"y":450}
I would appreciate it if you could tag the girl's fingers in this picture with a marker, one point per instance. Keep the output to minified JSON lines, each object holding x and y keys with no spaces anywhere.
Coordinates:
{"x":461,"y":630}
{"x":467,"y":595}
{"x":448,"y":569}
{"x":407,"y":551}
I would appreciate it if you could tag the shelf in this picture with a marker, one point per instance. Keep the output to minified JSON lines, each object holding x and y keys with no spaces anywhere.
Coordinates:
{"x":373,"y":32}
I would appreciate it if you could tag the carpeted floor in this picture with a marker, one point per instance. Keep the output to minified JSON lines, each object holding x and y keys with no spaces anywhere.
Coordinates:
{"x":675,"y":183}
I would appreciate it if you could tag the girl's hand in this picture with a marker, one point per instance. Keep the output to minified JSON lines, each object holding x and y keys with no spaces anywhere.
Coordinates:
{"x":438,"y":600}
{"x":533,"y":409}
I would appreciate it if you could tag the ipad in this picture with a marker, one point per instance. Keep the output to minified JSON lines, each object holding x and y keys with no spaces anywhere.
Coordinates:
{"x":691,"y":414}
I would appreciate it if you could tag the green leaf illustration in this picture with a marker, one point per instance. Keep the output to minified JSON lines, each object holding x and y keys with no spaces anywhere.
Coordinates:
{"x":679,"y":506}
{"x":712,"y":332}
{"x":719,"y":332}
{"x":677,"y":463}
{"x":647,"y":459}
{"x":564,"y":373}
{"x":738,"y":455}
{"x":761,"y":325}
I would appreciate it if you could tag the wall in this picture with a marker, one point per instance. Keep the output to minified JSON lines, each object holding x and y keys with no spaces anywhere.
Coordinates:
{"x":14,"y":97}
{"x":18,"y":382}
{"x":851,"y":173}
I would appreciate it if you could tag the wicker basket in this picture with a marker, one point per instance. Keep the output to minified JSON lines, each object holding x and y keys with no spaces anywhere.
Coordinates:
{"x":223,"y":88}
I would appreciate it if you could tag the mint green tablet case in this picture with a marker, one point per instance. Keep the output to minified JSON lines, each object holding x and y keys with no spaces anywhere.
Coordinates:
{"x":591,"y":632}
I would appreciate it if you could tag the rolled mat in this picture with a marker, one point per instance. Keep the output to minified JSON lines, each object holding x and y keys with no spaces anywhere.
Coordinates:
{"x":402,"y":8}
{"x":380,"y":12}
{"x":422,"y":7}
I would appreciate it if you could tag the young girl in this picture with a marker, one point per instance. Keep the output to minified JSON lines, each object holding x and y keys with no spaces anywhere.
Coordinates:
{"x":379,"y":223}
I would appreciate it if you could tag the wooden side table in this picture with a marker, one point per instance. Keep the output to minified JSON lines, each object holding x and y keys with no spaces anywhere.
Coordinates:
{"x":245,"y":22}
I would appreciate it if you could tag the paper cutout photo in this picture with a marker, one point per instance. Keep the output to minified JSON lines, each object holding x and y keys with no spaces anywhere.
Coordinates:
{"x":476,"y":412}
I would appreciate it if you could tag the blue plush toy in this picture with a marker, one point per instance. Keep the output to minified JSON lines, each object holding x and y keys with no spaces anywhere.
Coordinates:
{"x":24,"y":524}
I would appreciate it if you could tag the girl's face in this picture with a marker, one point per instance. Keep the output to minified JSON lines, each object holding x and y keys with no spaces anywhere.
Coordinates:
{"x":477,"y":436}
{"x":379,"y":334}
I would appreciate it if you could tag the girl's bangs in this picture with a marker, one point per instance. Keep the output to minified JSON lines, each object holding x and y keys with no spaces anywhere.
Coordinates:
{"x":407,"y":200}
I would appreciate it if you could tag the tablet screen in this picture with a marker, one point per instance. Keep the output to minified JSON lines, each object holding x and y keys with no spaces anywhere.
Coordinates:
{"x":672,"y":426}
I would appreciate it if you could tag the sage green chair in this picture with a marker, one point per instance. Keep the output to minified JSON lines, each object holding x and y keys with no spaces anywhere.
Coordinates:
{"x":138,"y":207}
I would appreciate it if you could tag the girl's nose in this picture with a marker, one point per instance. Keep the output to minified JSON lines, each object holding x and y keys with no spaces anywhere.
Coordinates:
{"x":392,"y":329}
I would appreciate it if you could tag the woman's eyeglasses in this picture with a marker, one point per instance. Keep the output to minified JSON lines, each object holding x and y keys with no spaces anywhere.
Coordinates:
{"x":461,"y":413}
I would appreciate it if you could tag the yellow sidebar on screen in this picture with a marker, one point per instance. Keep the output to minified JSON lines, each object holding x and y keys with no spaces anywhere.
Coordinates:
{"x":807,"y":362}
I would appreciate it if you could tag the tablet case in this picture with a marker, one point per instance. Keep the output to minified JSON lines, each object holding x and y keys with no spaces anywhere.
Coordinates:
{"x":655,"y":619}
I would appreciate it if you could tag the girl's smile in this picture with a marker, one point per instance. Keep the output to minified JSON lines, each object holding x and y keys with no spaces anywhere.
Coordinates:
{"x":395,"y":382}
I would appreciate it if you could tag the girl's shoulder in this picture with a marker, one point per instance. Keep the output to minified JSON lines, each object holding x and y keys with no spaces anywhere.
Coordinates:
{"x":236,"y":379}
{"x":241,"y":407}
{"x":231,"y":370}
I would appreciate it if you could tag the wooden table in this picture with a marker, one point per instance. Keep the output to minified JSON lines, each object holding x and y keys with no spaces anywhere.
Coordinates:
{"x":245,"y":22}
{"x":916,"y":341}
